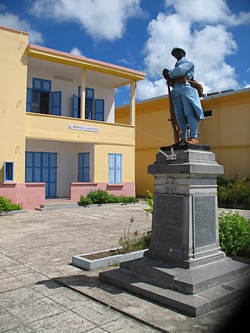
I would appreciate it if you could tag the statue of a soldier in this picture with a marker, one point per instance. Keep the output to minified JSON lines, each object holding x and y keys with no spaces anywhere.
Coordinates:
{"x":185,"y":97}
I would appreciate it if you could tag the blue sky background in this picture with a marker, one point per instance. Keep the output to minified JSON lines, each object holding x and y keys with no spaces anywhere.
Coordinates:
{"x":140,"y":34}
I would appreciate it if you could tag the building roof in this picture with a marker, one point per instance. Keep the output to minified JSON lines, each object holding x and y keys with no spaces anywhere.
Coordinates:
{"x":114,"y":74}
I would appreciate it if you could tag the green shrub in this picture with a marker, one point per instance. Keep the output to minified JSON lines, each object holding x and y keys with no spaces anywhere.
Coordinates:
{"x":234,"y":192}
{"x":101,"y":196}
{"x":234,"y":234}
{"x":85,"y":201}
{"x":127,"y":199}
{"x":7,"y":205}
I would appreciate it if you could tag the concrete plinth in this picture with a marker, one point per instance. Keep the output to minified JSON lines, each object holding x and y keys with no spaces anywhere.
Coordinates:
{"x":184,"y":267}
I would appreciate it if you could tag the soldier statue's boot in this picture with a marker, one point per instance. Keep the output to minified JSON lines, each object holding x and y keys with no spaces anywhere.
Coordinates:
{"x":193,"y":141}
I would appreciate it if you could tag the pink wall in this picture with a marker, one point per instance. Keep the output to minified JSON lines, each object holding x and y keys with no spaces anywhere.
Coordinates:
{"x":28,"y":195}
{"x":32,"y":195}
{"x":78,"y":189}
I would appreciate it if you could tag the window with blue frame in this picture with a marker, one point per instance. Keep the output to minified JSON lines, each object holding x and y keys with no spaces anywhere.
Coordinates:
{"x":89,"y":103}
{"x":8,"y":171}
{"x":42,"y":167}
{"x":40,"y":98}
{"x":94,"y":108}
{"x":115,"y":168}
{"x":99,"y":109}
{"x":83,"y":167}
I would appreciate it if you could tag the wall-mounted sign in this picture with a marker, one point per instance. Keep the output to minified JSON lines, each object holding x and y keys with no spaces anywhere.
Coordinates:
{"x":83,"y":128}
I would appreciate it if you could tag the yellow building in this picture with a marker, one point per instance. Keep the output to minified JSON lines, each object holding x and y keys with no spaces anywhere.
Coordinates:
{"x":57,"y":124}
{"x":225,"y":129}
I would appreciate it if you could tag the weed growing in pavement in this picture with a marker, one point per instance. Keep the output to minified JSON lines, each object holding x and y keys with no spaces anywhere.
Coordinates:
{"x":133,"y":241}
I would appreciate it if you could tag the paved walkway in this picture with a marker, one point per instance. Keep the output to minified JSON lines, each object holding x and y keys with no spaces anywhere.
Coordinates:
{"x":40,"y":291}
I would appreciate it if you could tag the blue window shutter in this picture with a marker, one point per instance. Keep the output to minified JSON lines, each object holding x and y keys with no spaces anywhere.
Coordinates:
{"x":99,"y":109}
{"x":8,"y":171}
{"x":35,"y":101}
{"x":83,"y":167}
{"x":76,"y":111}
{"x":41,"y":85}
{"x":118,"y":168}
{"x":42,"y":167}
{"x":88,"y":108}
{"x":46,"y":85}
{"x":37,"y":83}
{"x":56,"y":103}
{"x":79,"y":91}
{"x":115,"y":168}
{"x":90,"y":93}
{"x":28,"y":167}
{"x":29,"y":100}
{"x":89,"y":103}
{"x":112,"y":168}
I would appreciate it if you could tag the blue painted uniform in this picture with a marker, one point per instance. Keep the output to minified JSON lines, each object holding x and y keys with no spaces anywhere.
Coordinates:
{"x":186,"y":100}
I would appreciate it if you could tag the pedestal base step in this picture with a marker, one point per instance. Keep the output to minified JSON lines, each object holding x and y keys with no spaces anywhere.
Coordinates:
{"x":193,"y":304}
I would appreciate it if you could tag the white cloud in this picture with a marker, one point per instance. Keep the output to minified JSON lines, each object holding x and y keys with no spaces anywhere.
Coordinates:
{"x":100,"y":19}
{"x":76,"y":51}
{"x":165,"y":33}
{"x":147,"y":89}
{"x":202,"y":30}
{"x":14,"y":22}
{"x":211,"y":12}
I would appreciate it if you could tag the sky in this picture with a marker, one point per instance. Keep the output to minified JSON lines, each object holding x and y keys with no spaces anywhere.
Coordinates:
{"x":140,"y":34}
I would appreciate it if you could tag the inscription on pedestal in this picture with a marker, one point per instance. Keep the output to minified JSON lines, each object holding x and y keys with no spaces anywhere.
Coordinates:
{"x":204,"y":218}
{"x":169,"y":220}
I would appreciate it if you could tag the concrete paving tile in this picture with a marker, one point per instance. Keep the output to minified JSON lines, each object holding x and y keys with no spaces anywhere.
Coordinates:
{"x":7,"y":321}
{"x":5,"y":261}
{"x":3,"y":275}
{"x":48,"y":287}
{"x":65,"y":322}
{"x":98,"y":314}
{"x":70,"y":299}
{"x":34,"y":310}
{"x":125,"y":325}
{"x":30,"y":278}
{"x":10,"y":283}
{"x":18,"y":296}
{"x":21,"y":329}
{"x":17,"y":266}
{"x":97,"y":330}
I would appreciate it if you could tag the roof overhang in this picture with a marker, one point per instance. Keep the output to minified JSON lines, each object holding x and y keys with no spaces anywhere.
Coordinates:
{"x":127,"y":75}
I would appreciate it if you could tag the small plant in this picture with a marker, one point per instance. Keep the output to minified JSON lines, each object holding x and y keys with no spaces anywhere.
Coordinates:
{"x":7,"y":205}
{"x":150,"y":201}
{"x":84,"y":201}
{"x":133,"y":241}
{"x":101,"y":197}
{"x":234,"y":234}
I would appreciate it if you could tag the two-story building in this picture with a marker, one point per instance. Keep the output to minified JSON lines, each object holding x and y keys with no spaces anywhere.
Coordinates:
{"x":59,"y":138}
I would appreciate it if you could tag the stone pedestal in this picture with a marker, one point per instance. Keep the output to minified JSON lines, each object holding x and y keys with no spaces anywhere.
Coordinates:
{"x":185,"y":221}
{"x":184,"y":266}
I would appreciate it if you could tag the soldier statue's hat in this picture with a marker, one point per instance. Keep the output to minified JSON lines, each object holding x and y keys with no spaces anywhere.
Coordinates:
{"x":178,"y":50}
